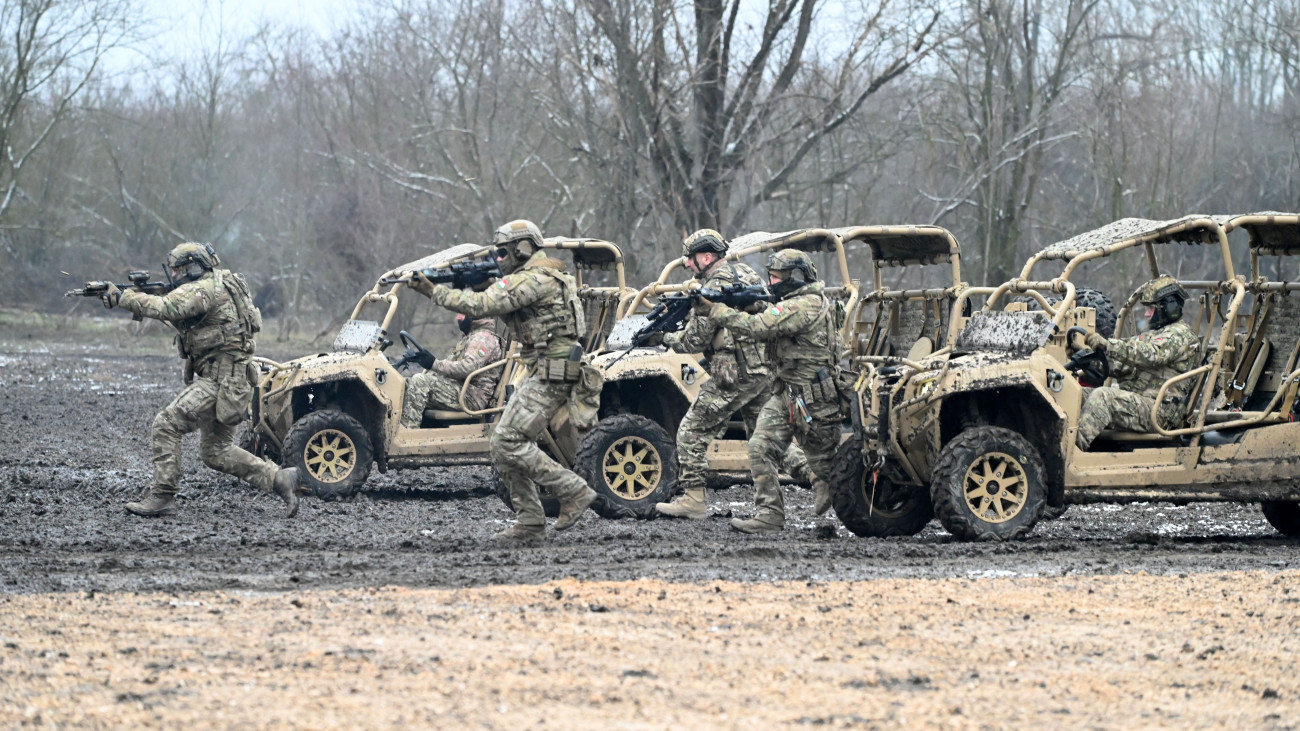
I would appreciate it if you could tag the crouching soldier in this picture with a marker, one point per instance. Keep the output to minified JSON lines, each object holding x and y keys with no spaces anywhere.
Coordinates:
{"x":804,"y":404}
{"x":538,"y":301}
{"x":215,"y":322}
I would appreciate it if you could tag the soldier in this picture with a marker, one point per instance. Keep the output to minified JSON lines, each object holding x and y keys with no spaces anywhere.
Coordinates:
{"x":739,"y":380}
{"x":215,"y":319}
{"x":805,"y":403}
{"x":439,"y":387}
{"x":539,"y":303}
{"x":1141,"y":364}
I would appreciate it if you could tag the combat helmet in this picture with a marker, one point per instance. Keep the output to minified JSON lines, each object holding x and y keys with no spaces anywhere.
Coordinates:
{"x":706,"y":239}
{"x":1166,"y":295}
{"x":192,"y":259}
{"x":518,"y":240}
{"x":798,"y":263}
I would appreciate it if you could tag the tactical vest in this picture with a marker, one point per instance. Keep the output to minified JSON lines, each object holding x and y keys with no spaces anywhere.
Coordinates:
{"x":750,"y":354}
{"x":1148,"y":380}
{"x":228,"y":325}
{"x":815,"y":346}
{"x":536,"y":325}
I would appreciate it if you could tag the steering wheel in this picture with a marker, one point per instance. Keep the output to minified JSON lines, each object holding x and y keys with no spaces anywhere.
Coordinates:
{"x":415,"y":353}
{"x":1091,"y":367}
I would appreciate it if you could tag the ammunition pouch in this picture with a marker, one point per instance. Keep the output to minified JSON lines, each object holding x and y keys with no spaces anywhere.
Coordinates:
{"x":822,"y":389}
{"x":559,"y":371}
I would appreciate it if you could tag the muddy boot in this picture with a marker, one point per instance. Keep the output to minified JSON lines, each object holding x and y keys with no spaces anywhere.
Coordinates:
{"x":821,"y":497}
{"x":153,"y":505}
{"x":286,"y":485}
{"x":572,"y":510}
{"x":690,"y":505}
{"x":761,"y":523}
{"x":519,"y":534}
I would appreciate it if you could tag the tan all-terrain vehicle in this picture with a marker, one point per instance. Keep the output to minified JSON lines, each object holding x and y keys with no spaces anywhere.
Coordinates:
{"x":335,"y":415}
{"x":986,"y":425}
{"x":660,"y":384}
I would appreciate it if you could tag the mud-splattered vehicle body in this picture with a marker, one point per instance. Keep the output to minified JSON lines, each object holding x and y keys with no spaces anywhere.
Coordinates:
{"x":660,"y":384}
{"x":987,"y":425}
{"x":907,"y":314}
{"x":335,"y":415}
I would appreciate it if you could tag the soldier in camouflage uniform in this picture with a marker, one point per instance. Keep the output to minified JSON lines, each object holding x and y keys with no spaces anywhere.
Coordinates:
{"x":215,"y":320}
{"x":739,"y":380}
{"x":1141,"y":365}
{"x":805,"y":403}
{"x":539,"y":303}
{"x":439,"y":387}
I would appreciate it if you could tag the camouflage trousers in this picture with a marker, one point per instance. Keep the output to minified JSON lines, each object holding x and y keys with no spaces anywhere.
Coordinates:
{"x":1110,"y":407}
{"x":430,"y":390}
{"x":522,"y":465}
{"x":707,"y":419}
{"x":193,"y":409}
{"x":777,"y":426}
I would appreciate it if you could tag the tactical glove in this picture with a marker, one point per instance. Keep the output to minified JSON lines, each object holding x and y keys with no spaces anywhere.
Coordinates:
{"x":1097,"y":342}
{"x":421,"y":284}
{"x":111,"y":296}
{"x":703,"y":307}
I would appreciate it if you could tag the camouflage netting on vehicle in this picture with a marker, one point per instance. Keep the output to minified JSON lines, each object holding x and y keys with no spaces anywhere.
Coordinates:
{"x":1010,"y":332}
{"x":458,"y":251}
{"x":1277,"y":235}
{"x":1124,"y":230}
{"x":902,"y":245}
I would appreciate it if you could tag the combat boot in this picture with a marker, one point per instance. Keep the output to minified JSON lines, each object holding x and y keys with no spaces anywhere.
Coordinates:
{"x":572,"y":510}
{"x":690,"y":505}
{"x":286,"y":484}
{"x":761,"y":523}
{"x":821,"y":497}
{"x":520,"y":534}
{"x":154,"y":505}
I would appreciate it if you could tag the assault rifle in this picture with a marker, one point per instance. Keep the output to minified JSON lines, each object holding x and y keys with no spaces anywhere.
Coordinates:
{"x":139,"y":282}
{"x":670,"y":314}
{"x":458,"y":275}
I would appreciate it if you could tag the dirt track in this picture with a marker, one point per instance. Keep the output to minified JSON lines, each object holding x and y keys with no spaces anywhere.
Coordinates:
{"x":950,"y":618}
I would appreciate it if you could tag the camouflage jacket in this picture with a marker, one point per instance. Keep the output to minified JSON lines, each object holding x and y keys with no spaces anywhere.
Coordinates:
{"x":1143,"y":363}
{"x":800,"y":327}
{"x":538,"y":303}
{"x":482,"y":346}
{"x":204,"y":315}
{"x":704,"y":334}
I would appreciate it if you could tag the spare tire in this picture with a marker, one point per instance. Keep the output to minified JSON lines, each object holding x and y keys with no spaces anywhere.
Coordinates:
{"x":1084,"y":297}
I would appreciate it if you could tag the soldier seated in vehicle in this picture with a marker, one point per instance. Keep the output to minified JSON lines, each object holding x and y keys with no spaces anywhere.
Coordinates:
{"x":439,"y":387}
{"x":1165,"y":348}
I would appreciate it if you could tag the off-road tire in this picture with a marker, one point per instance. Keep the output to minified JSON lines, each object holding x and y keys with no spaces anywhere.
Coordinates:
{"x":331,"y":450}
{"x":550,"y":505}
{"x":1283,"y":515}
{"x":973,"y":453}
{"x":851,"y":491}
{"x":1085,"y":297}
{"x":642,"y":446}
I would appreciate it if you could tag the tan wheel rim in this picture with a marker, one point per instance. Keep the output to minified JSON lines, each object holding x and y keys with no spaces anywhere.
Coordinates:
{"x":996,"y":487}
{"x":330,"y":456}
{"x":632,"y":468}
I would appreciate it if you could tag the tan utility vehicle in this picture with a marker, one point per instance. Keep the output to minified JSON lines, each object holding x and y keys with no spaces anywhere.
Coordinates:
{"x":987,"y":424}
{"x":660,"y":384}
{"x":334,"y":415}
{"x":903,"y":323}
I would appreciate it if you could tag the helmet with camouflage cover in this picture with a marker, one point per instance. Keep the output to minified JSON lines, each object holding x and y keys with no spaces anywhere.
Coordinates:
{"x":519,"y":239}
{"x":801,"y":270}
{"x":706,"y":239}
{"x":192,"y":259}
{"x":1165,"y":295}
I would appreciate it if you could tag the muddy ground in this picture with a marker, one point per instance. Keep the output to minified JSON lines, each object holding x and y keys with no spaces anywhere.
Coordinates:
{"x":1156,"y":580}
